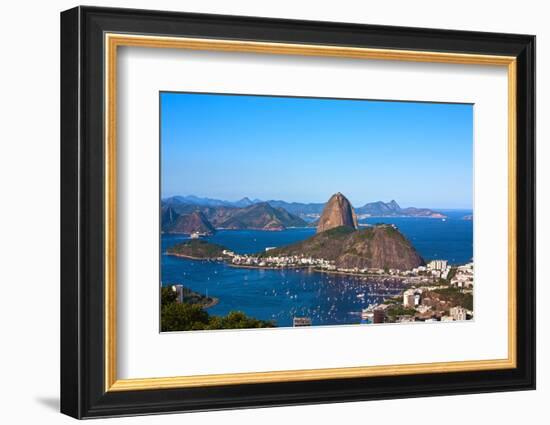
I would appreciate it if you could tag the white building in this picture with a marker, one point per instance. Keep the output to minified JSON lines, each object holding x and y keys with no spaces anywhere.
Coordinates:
{"x":458,"y":313}
{"x":408,"y":298}
{"x":178,"y":289}
{"x":437,"y":265}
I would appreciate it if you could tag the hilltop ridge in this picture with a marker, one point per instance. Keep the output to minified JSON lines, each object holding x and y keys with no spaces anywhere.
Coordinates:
{"x":382,"y":246}
{"x":189,"y":218}
{"x":195,"y":222}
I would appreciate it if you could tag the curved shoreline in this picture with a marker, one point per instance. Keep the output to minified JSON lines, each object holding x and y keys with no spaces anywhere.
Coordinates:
{"x":190,"y":257}
{"x":247,"y":266}
{"x":215,"y":301}
{"x":313,"y":269}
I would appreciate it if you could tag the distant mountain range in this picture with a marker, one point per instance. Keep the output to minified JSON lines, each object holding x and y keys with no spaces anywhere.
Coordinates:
{"x":338,"y":238}
{"x":209,"y":202}
{"x":190,"y":218}
{"x":306,"y":211}
{"x":392,"y":209}
{"x":172,"y":222}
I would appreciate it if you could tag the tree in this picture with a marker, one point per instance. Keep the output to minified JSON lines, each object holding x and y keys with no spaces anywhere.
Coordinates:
{"x":189,"y":316}
{"x":183,"y":317}
{"x":167,"y":295}
{"x":239,"y":320}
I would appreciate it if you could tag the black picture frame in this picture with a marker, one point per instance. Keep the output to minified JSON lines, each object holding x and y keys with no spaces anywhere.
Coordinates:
{"x":83,"y":392}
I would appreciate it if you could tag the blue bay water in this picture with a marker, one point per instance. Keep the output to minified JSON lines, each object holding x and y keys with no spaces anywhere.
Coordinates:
{"x":434,"y":238}
{"x":280,"y":295}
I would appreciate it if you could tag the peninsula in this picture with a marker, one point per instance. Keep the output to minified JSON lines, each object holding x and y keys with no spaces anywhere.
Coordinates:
{"x":198,"y":249}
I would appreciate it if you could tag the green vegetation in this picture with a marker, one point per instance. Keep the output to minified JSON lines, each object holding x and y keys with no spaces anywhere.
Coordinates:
{"x":197,"y":248}
{"x":339,"y":231}
{"x":183,"y":317}
{"x":392,"y":232}
{"x":451,"y":274}
{"x":396,"y":300}
{"x":366,"y":234}
{"x":327,"y":244}
{"x":456,"y":297}
{"x":168,"y":296}
{"x":349,"y":248}
{"x":190,"y":315}
{"x":399,"y":310}
{"x":238,"y":320}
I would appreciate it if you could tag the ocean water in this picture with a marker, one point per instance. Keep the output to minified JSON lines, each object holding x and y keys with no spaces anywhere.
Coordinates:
{"x":327,"y":299}
{"x":433,"y":238}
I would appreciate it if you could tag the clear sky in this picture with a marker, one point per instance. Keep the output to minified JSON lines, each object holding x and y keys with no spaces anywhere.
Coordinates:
{"x":306,"y":149}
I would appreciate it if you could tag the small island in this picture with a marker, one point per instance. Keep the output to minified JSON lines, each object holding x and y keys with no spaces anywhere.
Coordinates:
{"x":198,"y":249}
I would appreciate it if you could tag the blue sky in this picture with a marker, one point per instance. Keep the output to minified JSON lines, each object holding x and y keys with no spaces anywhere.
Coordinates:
{"x":306,"y":149}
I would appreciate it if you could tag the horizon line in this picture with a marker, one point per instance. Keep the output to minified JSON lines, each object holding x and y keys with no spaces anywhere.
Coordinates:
{"x":258,"y":200}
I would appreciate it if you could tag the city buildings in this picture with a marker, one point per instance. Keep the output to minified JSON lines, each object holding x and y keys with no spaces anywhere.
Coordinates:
{"x":464,"y":276}
{"x":458,"y":313}
{"x":437,"y":265}
{"x":412,"y":297}
{"x":421,"y":294}
{"x":408,"y":298}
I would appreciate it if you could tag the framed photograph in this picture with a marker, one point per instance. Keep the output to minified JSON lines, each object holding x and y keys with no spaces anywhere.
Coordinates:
{"x":261,"y":212}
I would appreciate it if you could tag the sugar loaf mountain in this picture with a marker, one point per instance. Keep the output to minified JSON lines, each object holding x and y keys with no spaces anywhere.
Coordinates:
{"x":338,"y":238}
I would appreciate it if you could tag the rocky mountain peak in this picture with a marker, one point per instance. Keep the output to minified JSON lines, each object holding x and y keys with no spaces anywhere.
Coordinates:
{"x":394,"y":205}
{"x":337,"y":212}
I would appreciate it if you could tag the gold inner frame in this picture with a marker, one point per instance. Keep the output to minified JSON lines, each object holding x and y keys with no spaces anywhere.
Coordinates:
{"x":113,"y":41}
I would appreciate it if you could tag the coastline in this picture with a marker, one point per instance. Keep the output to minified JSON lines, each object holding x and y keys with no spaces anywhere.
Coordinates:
{"x":299,"y":267}
{"x":405,"y":216}
{"x":370,"y":276}
{"x":212,"y":303}
{"x":317,"y":270}
{"x":190,"y":257}
{"x":248,"y":266}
